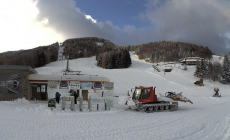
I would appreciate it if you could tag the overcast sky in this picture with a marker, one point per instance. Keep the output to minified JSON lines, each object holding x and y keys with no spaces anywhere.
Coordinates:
{"x":27,"y":24}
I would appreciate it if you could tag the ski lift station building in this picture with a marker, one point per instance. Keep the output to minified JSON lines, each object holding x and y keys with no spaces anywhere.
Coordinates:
{"x":23,"y":81}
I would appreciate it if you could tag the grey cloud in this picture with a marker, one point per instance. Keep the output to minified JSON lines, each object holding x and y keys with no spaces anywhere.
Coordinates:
{"x":67,"y":19}
{"x":202,"y":22}
{"x":70,"y":21}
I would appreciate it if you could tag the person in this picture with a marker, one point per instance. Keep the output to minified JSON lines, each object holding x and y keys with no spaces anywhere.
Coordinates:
{"x":76,"y":95}
{"x":58,"y":95}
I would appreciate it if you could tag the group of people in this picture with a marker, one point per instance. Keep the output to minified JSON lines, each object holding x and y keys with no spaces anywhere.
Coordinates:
{"x":58,"y":95}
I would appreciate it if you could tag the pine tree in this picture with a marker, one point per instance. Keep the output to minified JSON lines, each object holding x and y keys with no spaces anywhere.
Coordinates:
{"x":197,"y":71}
{"x":111,"y":61}
{"x":53,"y":57}
{"x":214,"y":70}
{"x":201,"y":69}
{"x":118,"y":60}
{"x":41,"y":59}
{"x":225,"y":70}
{"x":105,"y":60}
{"x":99,"y":60}
{"x":127,"y":59}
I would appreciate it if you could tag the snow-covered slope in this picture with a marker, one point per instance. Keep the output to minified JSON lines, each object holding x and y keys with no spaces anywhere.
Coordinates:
{"x":208,"y":118}
{"x":216,"y":58}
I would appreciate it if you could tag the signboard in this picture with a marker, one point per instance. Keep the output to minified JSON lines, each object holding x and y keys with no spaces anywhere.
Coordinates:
{"x":51,"y":89}
{"x":75,"y":85}
{"x":43,"y":88}
{"x":97,"y":85}
{"x":109,"y":95}
{"x":109,"y":98}
{"x":109,"y":104}
{"x":108,"y":86}
{"x":51,"y":93}
{"x":86,"y":85}
{"x":10,"y":83}
{"x":52,"y":84}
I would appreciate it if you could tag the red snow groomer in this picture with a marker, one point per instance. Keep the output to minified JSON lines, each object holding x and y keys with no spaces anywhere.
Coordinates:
{"x":144,"y":98}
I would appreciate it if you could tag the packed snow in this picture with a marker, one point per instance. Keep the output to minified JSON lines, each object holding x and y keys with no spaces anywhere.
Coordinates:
{"x":208,"y":118}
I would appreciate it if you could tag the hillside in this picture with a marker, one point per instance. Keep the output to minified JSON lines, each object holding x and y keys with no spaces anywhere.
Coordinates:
{"x":169,"y":51}
{"x":75,"y":48}
{"x":91,"y":46}
{"x":36,"y":57}
{"x":86,"y":47}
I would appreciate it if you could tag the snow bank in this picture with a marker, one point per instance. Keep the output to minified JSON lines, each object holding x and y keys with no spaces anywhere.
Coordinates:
{"x":21,"y":100}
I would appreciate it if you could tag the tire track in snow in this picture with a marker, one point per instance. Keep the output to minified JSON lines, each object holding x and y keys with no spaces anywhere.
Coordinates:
{"x":207,"y":130}
{"x":170,"y":82}
{"x":227,"y":132}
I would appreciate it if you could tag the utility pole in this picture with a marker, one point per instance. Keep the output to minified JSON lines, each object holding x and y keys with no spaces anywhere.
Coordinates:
{"x":67,"y":66}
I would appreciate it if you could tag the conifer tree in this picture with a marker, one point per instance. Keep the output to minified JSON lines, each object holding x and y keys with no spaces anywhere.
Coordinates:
{"x":127,"y":59}
{"x":118,"y":60}
{"x":214,"y":70}
{"x":111,"y":61}
{"x":201,"y":69}
{"x":41,"y":59}
{"x":105,"y":60}
{"x":99,"y":60}
{"x":197,"y":71}
{"x":225,"y":70}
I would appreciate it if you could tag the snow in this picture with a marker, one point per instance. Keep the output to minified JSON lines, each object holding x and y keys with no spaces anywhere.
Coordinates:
{"x":216,"y":58}
{"x":208,"y":118}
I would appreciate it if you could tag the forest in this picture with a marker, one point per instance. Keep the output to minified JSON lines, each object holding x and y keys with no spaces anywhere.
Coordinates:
{"x":93,"y":46}
{"x":118,"y":58}
{"x":169,"y":51}
{"x":36,"y":57}
{"x":40,"y":56}
{"x":214,"y":71}
{"x":86,"y":47}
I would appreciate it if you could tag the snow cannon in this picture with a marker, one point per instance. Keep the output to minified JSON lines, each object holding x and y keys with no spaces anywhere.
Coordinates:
{"x":216,"y":94}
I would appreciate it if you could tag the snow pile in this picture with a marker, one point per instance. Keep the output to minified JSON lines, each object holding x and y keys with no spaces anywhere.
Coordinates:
{"x":21,"y":100}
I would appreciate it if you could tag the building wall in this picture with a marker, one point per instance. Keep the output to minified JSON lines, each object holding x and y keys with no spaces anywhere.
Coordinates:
{"x":24,"y":87}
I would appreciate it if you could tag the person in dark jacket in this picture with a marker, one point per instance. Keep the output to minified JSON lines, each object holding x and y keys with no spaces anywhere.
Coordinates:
{"x":58,"y":95}
{"x":76,"y":95}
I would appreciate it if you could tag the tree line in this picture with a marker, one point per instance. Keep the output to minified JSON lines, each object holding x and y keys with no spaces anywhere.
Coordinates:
{"x":115,"y":59}
{"x":169,"y":51}
{"x":36,"y":57}
{"x":86,"y":47}
{"x":40,"y":56}
{"x":214,"y":71}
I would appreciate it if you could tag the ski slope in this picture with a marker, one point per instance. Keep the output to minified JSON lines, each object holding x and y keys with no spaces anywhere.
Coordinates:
{"x":207,"y":119}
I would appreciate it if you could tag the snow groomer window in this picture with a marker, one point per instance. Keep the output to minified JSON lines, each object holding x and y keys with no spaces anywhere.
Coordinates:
{"x":146,"y":94}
